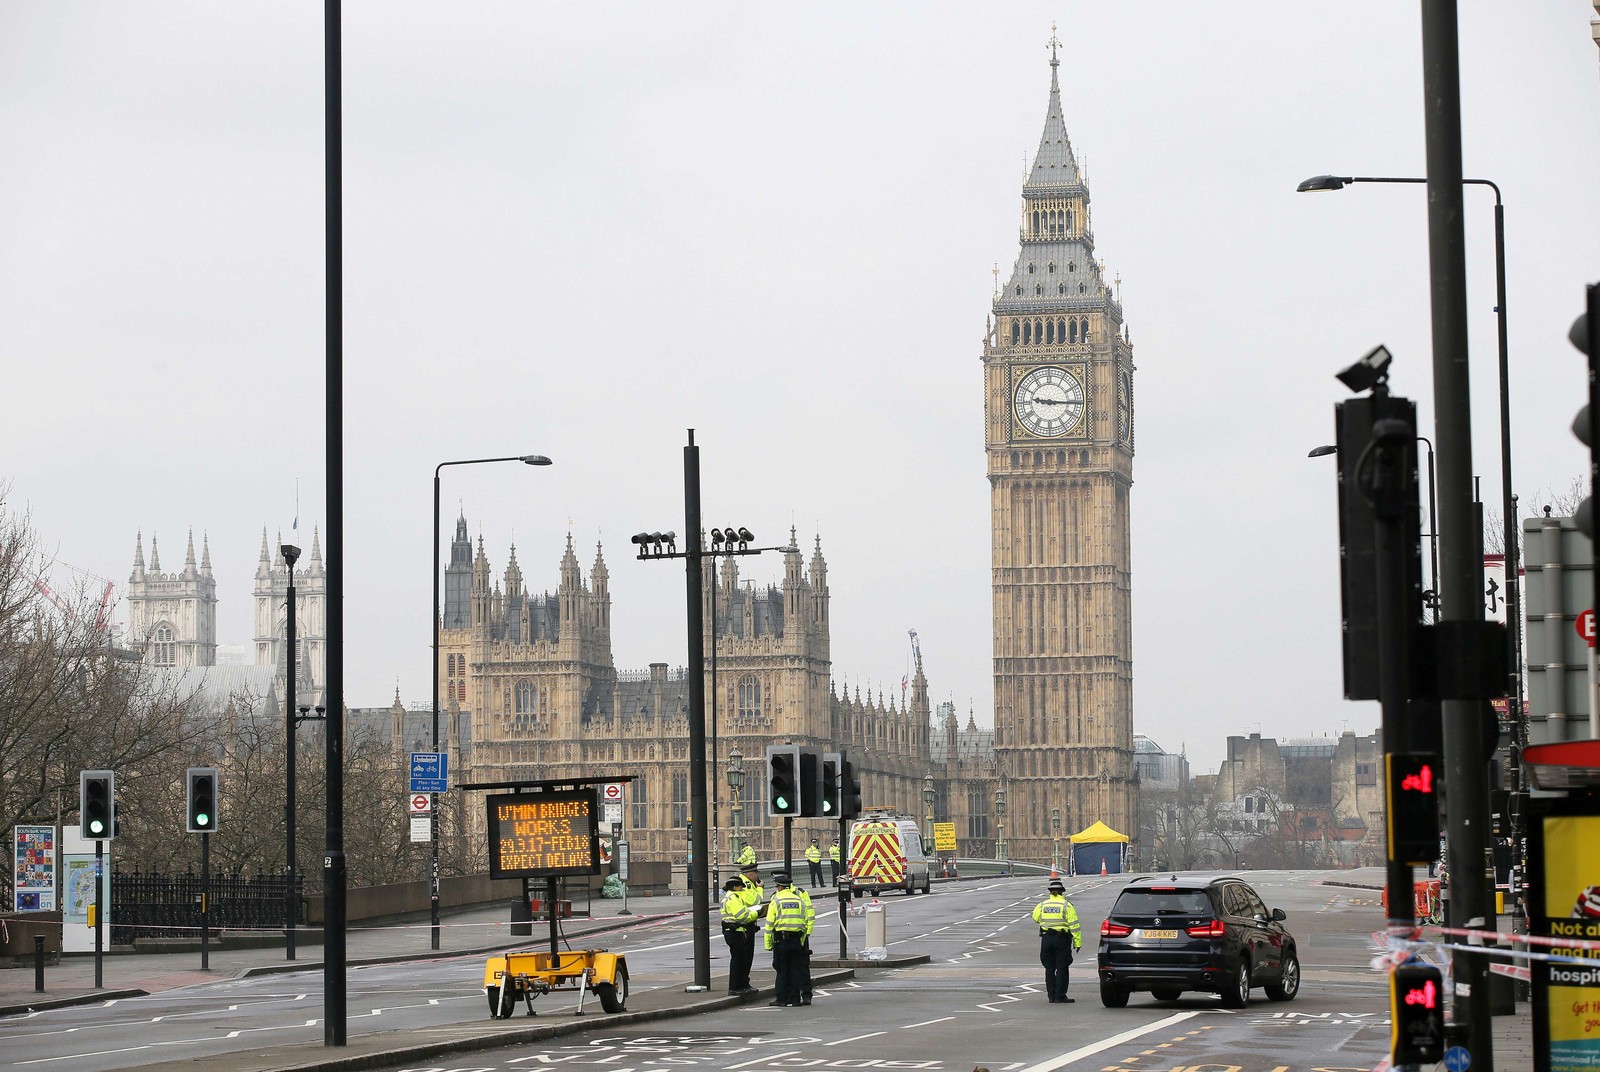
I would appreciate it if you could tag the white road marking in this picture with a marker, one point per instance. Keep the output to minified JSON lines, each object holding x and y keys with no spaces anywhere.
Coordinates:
{"x":764,"y":1057}
{"x":925,"y":1023}
{"x":856,"y":1038}
{"x":1105,"y":1044}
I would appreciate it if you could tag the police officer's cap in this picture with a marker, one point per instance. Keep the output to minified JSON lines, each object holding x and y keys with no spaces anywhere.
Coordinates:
{"x":733,"y":884}
{"x":781,"y":878}
{"x":1056,"y":884}
{"x":751,"y":867}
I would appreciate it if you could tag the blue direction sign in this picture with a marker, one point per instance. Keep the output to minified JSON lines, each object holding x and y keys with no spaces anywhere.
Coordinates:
{"x":1457,"y":1059}
{"x":430,"y":772}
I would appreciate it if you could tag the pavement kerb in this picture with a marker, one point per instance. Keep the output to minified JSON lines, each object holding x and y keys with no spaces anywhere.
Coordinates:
{"x":492,"y":1039}
{"x":1351,"y":885}
{"x":78,"y":999}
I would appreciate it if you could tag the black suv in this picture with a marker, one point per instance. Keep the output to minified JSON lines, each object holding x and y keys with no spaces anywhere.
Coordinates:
{"x":1195,"y":932}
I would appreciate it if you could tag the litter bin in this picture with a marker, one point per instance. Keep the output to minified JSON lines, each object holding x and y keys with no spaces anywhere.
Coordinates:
{"x":876,"y":946}
{"x":521,"y":919}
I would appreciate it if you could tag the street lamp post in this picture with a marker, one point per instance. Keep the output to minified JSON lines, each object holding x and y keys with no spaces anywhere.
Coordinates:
{"x":735,"y":787}
{"x":1000,"y":823}
{"x":291,"y":916}
{"x":928,"y":796}
{"x":433,"y":816}
{"x":1466,"y":783}
{"x":1055,"y":840}
{"x":1508,"y":502}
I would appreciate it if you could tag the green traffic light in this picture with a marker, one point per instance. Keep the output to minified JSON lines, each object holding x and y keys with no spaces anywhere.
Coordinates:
{"x":202,"y":819}
{"x":96,"y":826}
{"x":782,"y":802}
{"x":827,"y":806}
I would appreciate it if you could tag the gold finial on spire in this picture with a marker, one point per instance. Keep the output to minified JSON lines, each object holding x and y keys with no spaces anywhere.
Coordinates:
{"x":1055,"y":43}
{"x":996,"y":270}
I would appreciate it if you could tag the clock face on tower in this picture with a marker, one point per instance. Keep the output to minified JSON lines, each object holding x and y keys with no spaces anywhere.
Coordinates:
{"x":1049,"y":401}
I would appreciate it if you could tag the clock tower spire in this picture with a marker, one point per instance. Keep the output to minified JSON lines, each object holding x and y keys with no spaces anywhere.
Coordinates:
{"x":1058,"y":379}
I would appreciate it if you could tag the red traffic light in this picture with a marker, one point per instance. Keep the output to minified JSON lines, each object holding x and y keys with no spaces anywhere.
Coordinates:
{"x":1421,"y":781}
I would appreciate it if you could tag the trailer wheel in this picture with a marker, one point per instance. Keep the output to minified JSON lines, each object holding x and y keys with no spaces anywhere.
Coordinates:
{"x":502,"y":999}
{"x":614,"y":996}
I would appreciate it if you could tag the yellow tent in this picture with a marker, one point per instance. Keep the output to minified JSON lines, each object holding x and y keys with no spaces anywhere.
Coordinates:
{"x":1097,"y":833}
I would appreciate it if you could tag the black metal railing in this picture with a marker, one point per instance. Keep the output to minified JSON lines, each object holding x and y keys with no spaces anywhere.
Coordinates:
{"x":150,"y":904}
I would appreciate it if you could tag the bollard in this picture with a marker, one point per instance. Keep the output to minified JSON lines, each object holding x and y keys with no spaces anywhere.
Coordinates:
{"x":876,"y":946}
{"x":38,"y":963}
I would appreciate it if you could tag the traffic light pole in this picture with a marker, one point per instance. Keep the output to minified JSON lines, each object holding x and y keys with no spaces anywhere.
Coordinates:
{"x":99,"y":909}
{"x":844,"y":888}
{"x":1391,"y":442}
{"x":205,"y":902}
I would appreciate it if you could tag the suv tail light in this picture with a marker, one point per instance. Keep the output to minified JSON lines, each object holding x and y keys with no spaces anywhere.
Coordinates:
{"x":1214,"y":929}
{"x":1109,"y":929}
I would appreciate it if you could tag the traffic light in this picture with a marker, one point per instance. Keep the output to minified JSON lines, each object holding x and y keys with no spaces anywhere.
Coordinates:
{"x":1411,"y":802}
{"x":810,"y":782}
{"x":97,"y":805}
{"x":1582,"y":336}
{"x":1416,"y":1011}
{"x":202,"y":800}
{"x":1358,"y":548}
{"x":849,"y":790}
{"x":831,"y":762}
{"x":783,"y":780}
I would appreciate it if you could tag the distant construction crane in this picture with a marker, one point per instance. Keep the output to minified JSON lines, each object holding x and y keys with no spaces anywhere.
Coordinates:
{"x":102,"y":613}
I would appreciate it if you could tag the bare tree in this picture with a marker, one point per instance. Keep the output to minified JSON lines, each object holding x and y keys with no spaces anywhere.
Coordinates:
{"x":69,"y":700}
{"x":1562,"y":503}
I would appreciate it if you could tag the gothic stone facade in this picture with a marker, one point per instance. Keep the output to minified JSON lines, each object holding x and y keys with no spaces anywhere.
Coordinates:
{"x":172,"y":617}
{"x":531,"y":692}
{"x":1058,"y":385}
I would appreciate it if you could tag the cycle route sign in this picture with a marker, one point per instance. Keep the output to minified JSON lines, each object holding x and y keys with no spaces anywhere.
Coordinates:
{"x":430,"y":772}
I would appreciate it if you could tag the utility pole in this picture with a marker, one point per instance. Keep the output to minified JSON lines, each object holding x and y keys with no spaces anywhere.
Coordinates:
{"x":1466,"y":769}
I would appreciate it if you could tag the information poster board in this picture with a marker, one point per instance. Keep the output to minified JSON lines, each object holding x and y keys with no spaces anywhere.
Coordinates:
{"x":1564,"y":854}
{"x":544,"y":834}
{"x":33,"y":873}
{"x":944,"y":837}
{"x":78,"y":891}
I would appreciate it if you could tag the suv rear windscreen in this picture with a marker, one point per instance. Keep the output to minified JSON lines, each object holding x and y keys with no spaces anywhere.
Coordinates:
{"x":1162,"y":903}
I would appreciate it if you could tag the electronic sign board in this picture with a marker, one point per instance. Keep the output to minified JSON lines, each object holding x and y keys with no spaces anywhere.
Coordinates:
{"x":544,"y":835}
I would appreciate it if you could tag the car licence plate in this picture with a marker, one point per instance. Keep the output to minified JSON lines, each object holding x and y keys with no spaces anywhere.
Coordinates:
{"x":1158,"y":934}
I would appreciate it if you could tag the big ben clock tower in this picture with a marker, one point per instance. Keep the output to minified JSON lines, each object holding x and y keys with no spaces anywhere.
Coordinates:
{"x":1058,"y":387}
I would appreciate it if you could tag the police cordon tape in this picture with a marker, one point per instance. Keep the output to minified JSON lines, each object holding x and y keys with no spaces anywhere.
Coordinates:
{"x":1403,"y":948}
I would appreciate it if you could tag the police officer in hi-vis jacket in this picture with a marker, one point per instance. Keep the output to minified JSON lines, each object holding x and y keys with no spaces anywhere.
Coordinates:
{"x":785,"y":937}
{"x":1059,"y":937}
{"x":740,"y":917}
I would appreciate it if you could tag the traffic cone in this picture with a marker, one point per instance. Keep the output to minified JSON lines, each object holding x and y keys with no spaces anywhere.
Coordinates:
{"x":1054,"y":873}
{"x":1102,"y":866}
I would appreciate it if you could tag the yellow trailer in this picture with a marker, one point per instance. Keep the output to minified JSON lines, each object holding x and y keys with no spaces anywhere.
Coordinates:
{"x":527,"y":975}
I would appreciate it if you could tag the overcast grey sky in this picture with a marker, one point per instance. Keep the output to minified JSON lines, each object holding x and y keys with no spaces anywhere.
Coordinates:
{"x":580,"y":229}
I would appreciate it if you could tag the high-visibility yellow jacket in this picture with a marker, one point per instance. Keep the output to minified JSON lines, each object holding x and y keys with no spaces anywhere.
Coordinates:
{"x":833,"y":853}
{"x":747,"y":855}
{"x":813,"y":854}
{"x":753,"y":891}
{"x":738,"y":910}
{"x":1056,"y":913}
{"x":787,"y":914}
